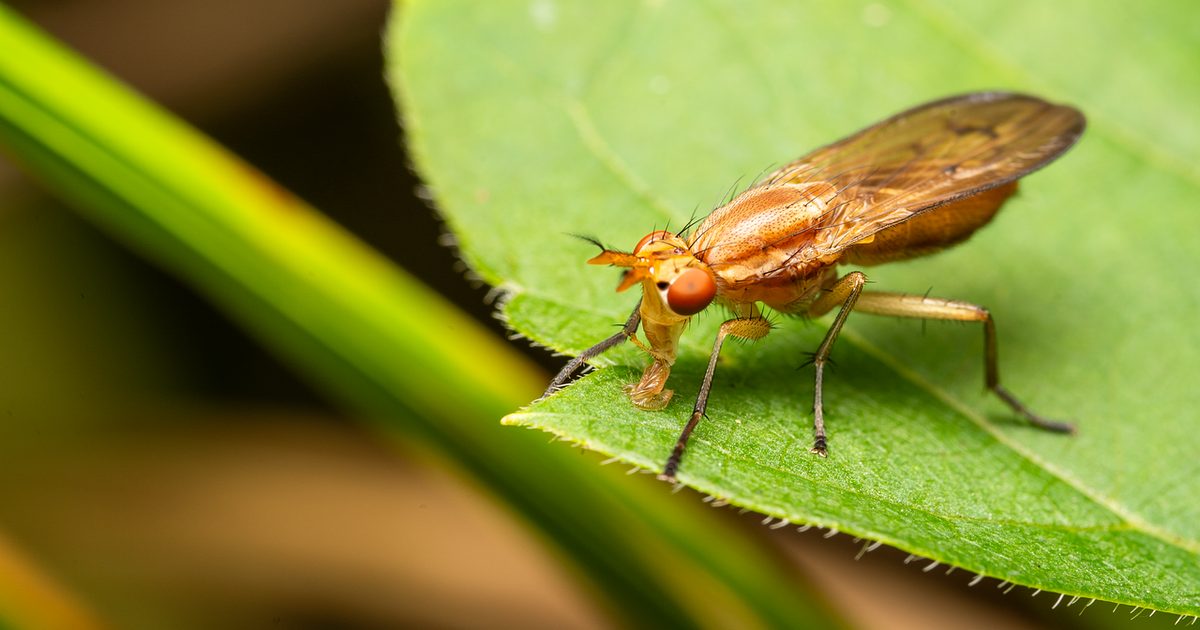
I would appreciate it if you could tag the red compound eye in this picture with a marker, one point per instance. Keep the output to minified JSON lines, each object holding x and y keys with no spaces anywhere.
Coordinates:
{"x":691,"y":292}
{"x":657,"y":235}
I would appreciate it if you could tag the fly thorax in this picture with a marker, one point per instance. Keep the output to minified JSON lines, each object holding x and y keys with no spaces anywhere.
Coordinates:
{"x":774,"y":216}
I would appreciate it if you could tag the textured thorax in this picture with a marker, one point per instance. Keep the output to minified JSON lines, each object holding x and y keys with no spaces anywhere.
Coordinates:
{"x":763,"y":231}
{"x":765,"y":245}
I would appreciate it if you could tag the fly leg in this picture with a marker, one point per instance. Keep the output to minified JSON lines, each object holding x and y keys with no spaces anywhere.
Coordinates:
{"x":844,"y":291}
{"x":752,"y":327}
{"x":901,"y":305}
{"x":627,"y":332}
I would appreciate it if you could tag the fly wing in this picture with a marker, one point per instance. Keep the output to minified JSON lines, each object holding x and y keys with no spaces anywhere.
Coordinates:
{"x":927,"y":157}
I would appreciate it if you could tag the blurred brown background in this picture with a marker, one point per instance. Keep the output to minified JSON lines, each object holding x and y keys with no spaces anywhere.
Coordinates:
{"x":157,"y":465}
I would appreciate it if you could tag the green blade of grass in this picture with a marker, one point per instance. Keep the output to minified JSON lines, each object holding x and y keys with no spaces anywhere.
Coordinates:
{"x":367,"y":333}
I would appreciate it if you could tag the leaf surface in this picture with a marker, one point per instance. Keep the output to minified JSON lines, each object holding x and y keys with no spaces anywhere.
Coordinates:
{"x":618,"y":118}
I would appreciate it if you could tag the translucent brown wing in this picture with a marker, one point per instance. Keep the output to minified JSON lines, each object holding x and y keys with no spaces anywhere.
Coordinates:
{"x":929,"y":156}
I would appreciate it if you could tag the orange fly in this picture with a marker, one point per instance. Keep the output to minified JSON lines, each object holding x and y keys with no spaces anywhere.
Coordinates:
{"x":911,"y":185}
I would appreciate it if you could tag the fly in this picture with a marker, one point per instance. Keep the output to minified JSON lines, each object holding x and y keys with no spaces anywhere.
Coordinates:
{"x":911,"y":185}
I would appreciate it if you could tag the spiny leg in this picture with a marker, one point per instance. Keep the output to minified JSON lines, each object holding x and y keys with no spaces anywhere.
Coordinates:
{"x":627,"y":332}
{"x":902,"y":305}
{"x":751,"y":328}
{"x":845,"y":292}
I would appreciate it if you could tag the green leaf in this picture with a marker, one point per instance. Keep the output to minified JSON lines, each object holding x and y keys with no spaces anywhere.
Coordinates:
{"x":535,"y":120}
{"x":372,"y":336}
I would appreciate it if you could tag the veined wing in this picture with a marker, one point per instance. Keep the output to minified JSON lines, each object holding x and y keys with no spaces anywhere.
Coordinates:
{"x":927,"y":157}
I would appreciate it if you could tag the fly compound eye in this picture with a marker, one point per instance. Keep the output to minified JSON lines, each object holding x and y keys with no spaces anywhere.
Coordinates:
{"x":691,"y":292}
{"x":656,"y":235}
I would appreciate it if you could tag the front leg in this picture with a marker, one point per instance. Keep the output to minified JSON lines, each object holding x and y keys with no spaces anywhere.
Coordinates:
{"x":628,"y":331}
{"x":649,"y":393}
{"x":752,"y":327}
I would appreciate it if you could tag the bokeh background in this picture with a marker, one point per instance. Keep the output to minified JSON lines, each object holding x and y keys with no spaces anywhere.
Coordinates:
{"x":160,"y":469}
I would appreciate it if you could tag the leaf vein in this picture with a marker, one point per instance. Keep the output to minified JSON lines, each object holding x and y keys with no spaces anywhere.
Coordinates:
{"x":594,"y":142}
